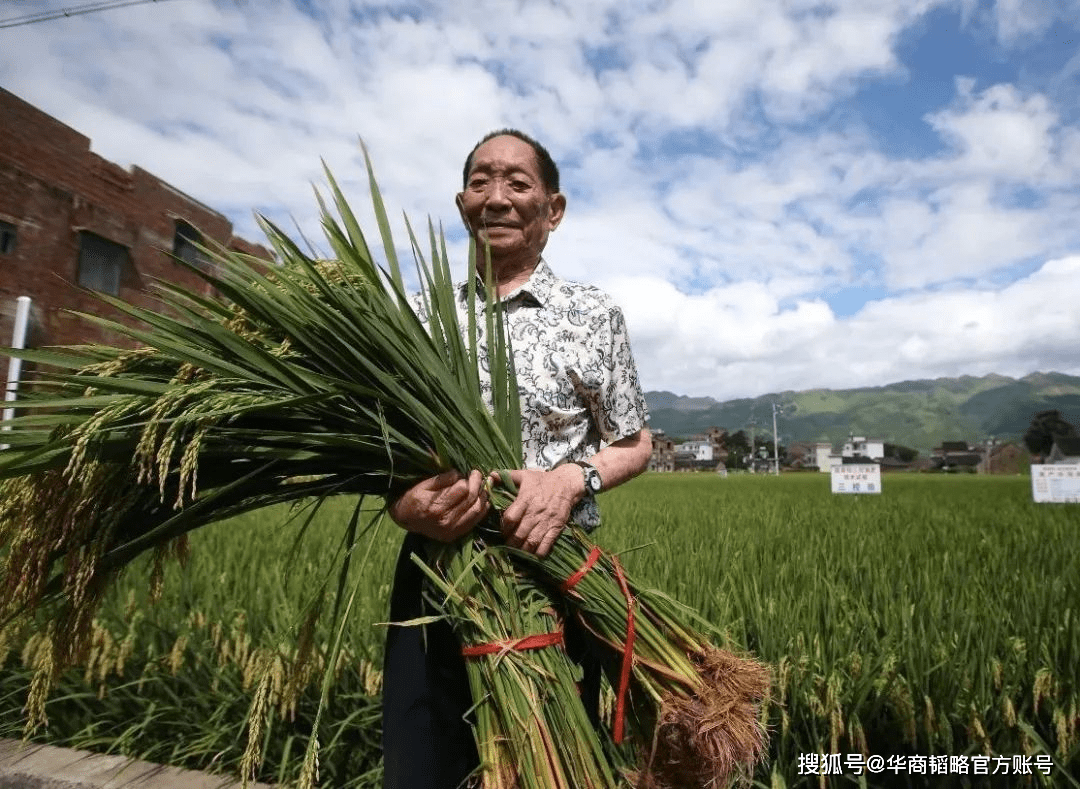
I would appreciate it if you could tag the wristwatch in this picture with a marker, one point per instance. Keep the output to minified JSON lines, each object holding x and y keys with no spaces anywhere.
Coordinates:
{"x":593,"y":483}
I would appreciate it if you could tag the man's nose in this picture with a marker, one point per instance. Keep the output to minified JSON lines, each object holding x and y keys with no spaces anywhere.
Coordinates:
{"x":498,"y":195}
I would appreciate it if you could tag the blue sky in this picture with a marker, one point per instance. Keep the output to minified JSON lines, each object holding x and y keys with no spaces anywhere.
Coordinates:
{"x":781,"y":194}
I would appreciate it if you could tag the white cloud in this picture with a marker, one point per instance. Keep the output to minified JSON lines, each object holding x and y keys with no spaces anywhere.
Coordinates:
{"x":999,"y":133}
{"x":1019,"y":21}
{"x":957,"y":233}
{"x":737,"y":341}
{"x":822,"y":55}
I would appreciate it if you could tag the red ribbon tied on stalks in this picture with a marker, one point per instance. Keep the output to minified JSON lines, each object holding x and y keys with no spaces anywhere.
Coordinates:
{"x":537,"y":641}
{"x":628,"y":646}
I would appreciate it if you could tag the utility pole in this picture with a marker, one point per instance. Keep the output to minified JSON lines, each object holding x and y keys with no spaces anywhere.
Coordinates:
{"x":775,"y":443}
{"x":988,"y":454}
{"x":753,"y":449}
{"x":18,"y":341}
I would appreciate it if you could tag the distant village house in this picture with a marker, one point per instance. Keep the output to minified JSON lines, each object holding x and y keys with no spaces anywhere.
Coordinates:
{"x":1007,"y":458}
{"x":956,"y":456}
{"x":702,"y":453}
{"x":663,"y":452}
{"x":857,"y":449}
{"x":697,"y":453}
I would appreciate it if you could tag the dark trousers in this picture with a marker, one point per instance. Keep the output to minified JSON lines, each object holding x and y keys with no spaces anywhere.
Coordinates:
{"x":428,"y":741}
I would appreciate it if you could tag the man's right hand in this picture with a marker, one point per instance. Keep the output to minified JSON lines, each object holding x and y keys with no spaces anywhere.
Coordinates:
{"x":444,"y":507}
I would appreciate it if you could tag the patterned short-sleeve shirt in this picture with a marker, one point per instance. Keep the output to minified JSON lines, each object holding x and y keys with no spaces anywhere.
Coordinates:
{"x":576,"y":374}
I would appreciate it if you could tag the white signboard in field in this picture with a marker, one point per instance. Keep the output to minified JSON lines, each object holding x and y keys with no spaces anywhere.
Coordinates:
{"x":1057,"y":483}
{"x":862,"y":478}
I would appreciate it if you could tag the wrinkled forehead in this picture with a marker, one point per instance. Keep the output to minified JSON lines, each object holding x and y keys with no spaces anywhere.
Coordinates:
{"x":505,"y":154}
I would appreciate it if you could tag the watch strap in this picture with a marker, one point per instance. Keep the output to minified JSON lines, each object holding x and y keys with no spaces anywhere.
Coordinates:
{"x":594,"y":483}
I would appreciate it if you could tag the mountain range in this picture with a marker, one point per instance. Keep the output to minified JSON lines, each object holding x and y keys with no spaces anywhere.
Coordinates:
{"x":917,"y":414}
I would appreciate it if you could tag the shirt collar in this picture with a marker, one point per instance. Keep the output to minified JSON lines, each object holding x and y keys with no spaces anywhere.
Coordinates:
{"x":538,"y":287}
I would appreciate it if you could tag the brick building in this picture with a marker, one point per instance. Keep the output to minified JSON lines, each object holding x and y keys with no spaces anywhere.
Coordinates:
{"x":663,"y":452}
{"x":1007,"y":458}
{"x":71,"y":220}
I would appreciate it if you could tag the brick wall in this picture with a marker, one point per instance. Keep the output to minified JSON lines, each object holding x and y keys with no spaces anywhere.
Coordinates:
{"x":53,"y":188}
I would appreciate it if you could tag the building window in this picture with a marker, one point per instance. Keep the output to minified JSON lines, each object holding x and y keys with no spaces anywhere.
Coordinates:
{"x":101,"y":263}
{"x":7,"y":238}
{"x":185,"y":244}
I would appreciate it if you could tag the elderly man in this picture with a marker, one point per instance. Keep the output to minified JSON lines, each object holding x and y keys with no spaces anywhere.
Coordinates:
{"x":583,"y":430}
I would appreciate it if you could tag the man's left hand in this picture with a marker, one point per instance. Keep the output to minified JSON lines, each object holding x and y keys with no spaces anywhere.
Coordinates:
{"x":542,"y":507}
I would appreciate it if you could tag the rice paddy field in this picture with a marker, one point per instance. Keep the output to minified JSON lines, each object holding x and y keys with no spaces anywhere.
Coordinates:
{"x":938,"y":619}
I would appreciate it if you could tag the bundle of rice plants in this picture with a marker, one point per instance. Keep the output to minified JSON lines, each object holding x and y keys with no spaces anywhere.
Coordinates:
{"x":315,"y":378}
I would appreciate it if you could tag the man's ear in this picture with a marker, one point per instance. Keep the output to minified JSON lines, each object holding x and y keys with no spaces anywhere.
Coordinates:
{"x":556,"y":209}
{"x":459,"y":200}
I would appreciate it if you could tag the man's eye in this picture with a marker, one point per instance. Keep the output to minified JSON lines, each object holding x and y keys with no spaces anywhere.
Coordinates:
{"x":477,"y":183}
{"x":520,"y":186}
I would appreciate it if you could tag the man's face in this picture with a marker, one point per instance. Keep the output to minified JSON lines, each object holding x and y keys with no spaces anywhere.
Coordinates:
{"x":505,"y":203}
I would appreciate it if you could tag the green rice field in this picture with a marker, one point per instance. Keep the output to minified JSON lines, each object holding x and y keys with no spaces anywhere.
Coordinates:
{"x":939,"y":618}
